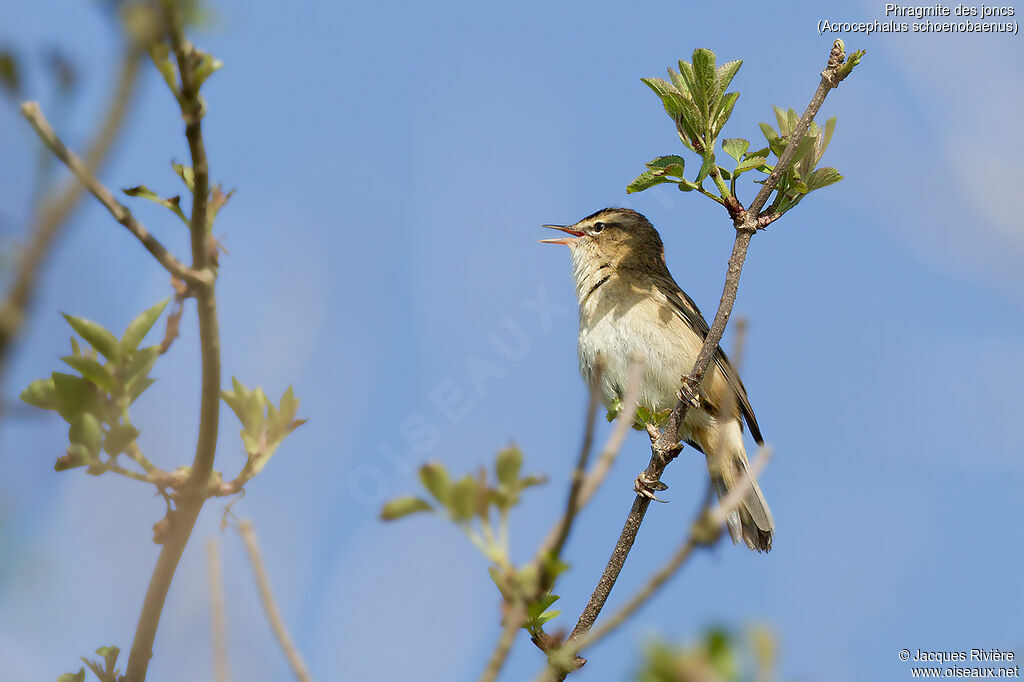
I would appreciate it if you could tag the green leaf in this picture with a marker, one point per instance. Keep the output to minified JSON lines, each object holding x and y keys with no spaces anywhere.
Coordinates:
{"x":705,"y":95}
{"x":646,"y":180}
{"x":499,"y":580}
{"x":138,"y":387}
{"x":830,"y":128}
{"x":109,"y":654}
{"x":140,"y":326}
{"x":74,"y":395}
{"x":546,"y":616}
{"x":86,"y":431}
{"x":403,"y":506}
{"x":120,"y":436}
{"x":705,"y":169}
{"x":98,"y":337}
{"x":735,"y":147}
{"x":726,"y":72}
{"x":823,"y":177}
{"x":725,"y":111}
{"x":73,"y":677}
{"x":532,"y":480}
{"x":435,"y":479}
{"x":462,"y":498}
{"x":751,"y":163}
{"x":672,"y":165}
{"x":186,"y":174}
{"x":782,"y":119}
{"x":669,"y":95}
{"x":41,"y":393}
{"x":76,"y":456}
{"x":160,"y":54}
{"x":772,"y":137}
{"x":139,"y":366}
{"x":508,"y":465}
{"x":93,"y":371}
{"x":171,"y":203}
{"x":207,"y":65}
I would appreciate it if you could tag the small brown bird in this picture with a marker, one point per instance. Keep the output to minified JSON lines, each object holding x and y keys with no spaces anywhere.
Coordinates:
{"x":630,"y":305}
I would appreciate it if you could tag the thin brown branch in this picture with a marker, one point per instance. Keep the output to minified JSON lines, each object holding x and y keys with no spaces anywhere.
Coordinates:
{"x":515,"y":616}
{"x":54,"y":209}
{"x":32,"y":112}
{"x":665,"y":449}
{"x":252,"y":548}
{"x":218,"y":630}
{"x":191,"y":500}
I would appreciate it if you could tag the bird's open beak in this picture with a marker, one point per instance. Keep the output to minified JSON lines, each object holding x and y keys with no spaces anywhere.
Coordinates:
{"x":564,"y":240}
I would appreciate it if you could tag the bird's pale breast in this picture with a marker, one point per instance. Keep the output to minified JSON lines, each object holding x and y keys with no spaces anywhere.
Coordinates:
{"x":622,"y":319}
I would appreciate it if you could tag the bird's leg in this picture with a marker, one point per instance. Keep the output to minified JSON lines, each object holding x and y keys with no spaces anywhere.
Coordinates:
{"x":648,"y":482}
{"x":688,"y":392}
{"x":647,"y":487}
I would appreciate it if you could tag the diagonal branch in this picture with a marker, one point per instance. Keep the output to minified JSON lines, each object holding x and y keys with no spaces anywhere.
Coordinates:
{"x":252,"y":548}
{"x":665,"y":448}
{"x":54,"y":210}
{"x":32,"y":112}
{"x":217,"y":628}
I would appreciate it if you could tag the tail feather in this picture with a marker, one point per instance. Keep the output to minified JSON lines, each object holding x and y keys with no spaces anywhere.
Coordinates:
{"x":752,"y":520}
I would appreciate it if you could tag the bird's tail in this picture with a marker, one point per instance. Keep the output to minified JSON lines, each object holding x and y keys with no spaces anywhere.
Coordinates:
{"x":752,"y":520}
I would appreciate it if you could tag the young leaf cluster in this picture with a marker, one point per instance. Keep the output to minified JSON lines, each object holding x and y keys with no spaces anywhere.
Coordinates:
{"x":111,"y":374}
{"x":719,"y":655}
{"x":696,"y":100}
{"x":803,"y":175}
{"x":104,"y":670}
{"x":264,"y":425}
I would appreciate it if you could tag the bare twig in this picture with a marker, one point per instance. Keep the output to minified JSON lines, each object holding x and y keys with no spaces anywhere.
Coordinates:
{"x":665,"y":449}
{"x":217,"y":627}
{"x":54,"y":210}
{"x":269,"y":605}
{"x":515,"y":616}
{"x":31,"y":111}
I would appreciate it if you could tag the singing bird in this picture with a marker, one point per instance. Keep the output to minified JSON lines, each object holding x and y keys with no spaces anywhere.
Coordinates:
{"x":630,"y":305}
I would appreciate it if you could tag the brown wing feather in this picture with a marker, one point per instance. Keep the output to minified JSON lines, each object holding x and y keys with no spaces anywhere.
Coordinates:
{"x":691,"y":314}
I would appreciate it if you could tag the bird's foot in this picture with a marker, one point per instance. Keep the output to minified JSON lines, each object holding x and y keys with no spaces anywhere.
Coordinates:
{"x":688,"y":393}
{"x":646,"y":487}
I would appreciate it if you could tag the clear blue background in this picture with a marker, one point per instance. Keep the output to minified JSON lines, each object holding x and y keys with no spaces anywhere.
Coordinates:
{"x":393,"y":162}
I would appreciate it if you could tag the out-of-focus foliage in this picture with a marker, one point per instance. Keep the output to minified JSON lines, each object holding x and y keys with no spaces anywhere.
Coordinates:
{"x":720,"y":655}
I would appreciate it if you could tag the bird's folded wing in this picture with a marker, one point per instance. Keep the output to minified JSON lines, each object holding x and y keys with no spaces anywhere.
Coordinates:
{"x":691,"y":315}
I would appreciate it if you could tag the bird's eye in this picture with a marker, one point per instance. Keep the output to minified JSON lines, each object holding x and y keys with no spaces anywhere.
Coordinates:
{"x":597,"y":227}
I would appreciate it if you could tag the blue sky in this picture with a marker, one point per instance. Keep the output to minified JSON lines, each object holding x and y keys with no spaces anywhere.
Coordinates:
{"x":393,"y":162}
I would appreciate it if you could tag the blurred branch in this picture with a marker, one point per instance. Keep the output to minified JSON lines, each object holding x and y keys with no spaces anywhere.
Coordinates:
{"x":53,"y":210}
{"x":191,"y":500}
{"x":515,"y":617}
{"x":252,"y":548}
{"x":31,"y":111}
{"x":584,"y":485}
{"x":217,"y":620}
{"x":665,"y":448}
